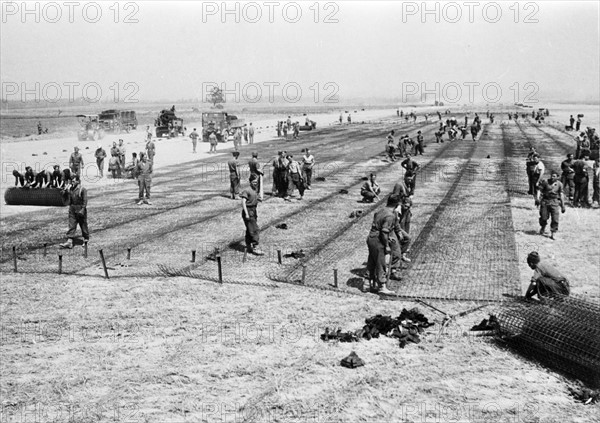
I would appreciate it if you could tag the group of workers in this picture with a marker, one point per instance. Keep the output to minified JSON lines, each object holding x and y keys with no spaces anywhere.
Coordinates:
{"x":288,"y":174}
{"x":570,"y":185}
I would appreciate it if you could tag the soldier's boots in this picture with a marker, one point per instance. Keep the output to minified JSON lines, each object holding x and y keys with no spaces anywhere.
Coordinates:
{"x":256,"y":251}
{"x":385,"y":291}
{"x":542,"y":230}
{"x":68,"y":244}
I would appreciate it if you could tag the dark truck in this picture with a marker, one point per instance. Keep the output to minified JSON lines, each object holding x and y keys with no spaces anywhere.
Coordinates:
{"x":118,"y":120}
{"x":169,"y":125}
{"x":221,"y":123}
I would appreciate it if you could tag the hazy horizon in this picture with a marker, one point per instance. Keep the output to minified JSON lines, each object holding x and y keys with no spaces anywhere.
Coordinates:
{"x":375,"y":50}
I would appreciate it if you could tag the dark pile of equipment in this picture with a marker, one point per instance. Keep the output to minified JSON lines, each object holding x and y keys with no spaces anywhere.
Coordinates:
{"x":561,"y":332}
{"x":406,"y":328}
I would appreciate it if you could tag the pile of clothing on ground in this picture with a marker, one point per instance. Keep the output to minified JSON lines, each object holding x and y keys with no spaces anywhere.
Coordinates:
{"x":406,"y":328}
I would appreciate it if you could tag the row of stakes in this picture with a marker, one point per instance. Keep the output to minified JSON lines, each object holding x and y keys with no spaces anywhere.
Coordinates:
{"x":218,"y":259}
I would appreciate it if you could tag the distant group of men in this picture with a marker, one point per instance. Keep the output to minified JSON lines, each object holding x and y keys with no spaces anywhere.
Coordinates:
{"x":405,"y":147}
{"x":288,"y":127}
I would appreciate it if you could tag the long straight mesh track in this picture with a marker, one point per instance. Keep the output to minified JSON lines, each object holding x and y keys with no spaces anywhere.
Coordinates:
{"x":467,"y":248}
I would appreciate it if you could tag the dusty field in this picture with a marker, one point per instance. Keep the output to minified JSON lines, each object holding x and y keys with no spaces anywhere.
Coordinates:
{"x":160,"y":341}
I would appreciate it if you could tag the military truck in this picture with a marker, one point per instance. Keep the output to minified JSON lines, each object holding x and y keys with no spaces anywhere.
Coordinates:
{"x":118,"y":120}
{"x":168,"y":125}
{"x":221,"y":123}
{"x":91,"y":129}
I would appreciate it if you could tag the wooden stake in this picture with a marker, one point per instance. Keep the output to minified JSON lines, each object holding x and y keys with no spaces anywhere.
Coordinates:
{"x":60,"y":264}
{"x":279,"y":259}
{"x":193,"y":256}
{"x":45,"y":249}
{"x":220,"y":269}
{"x":335,"y":278}
{"x":245,"y":255}
{"x":15,"y":258}
{"x":129,"y":253}
{"x":85,"y":250}
{"x":303,"y":274}
{"x":103,"y":264}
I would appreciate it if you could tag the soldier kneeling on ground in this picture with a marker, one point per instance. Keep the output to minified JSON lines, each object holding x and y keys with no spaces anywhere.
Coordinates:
{"x":546,"y":280}
{"x":370,"y":189}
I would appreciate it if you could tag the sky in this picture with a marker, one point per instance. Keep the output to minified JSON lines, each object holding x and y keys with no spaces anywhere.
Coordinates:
{"x":319,"y":52}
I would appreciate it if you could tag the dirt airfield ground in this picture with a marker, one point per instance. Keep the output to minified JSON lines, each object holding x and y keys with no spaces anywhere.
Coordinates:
{"x":161,"y":341}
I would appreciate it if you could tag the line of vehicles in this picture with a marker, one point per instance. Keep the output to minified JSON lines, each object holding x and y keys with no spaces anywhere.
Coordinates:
{"x":167,"y":125}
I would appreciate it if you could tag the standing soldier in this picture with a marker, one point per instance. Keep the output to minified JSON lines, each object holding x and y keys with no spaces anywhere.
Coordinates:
{"x":282,"y":165}
{"x":308,"y":162}
{"x":250,"y":217}
{"x":212,"y":140}
{"x":578,"y":124}
{"x":410,"y":176}
{"x":39,"y":128}
{"x":596,"y":182}
{"x":143,"y":170}
{"x":378,"y":243}
{"x":77,"y":211}
{"x":537,"y":173}
{"x":150,"y":150}
{"x":255,"y":169}
{"x":275,"y":175}
{"x":194,"y":136}
{"x":251,"y":133}
{"x":294,"y":178}
{"x":529,"y":166}
{"x":391,"y":148}
{"x":474,"y":130}
{"x":581,"y":179}
{"x":341,"y":118}
{"x":420,"y":146}
{"x":234,"y":175}
{"x":100,"y":156}
{"x":237,"y":139}
{"x":568,"y":176}
{"x":406,"y":214}
{"x":76,"y":162}
{"x":121,"y":149}
{"x":349,"y":118}
{"x":585,"y":146}
{"x":246,"y":133}
{"x":551,"y":195}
